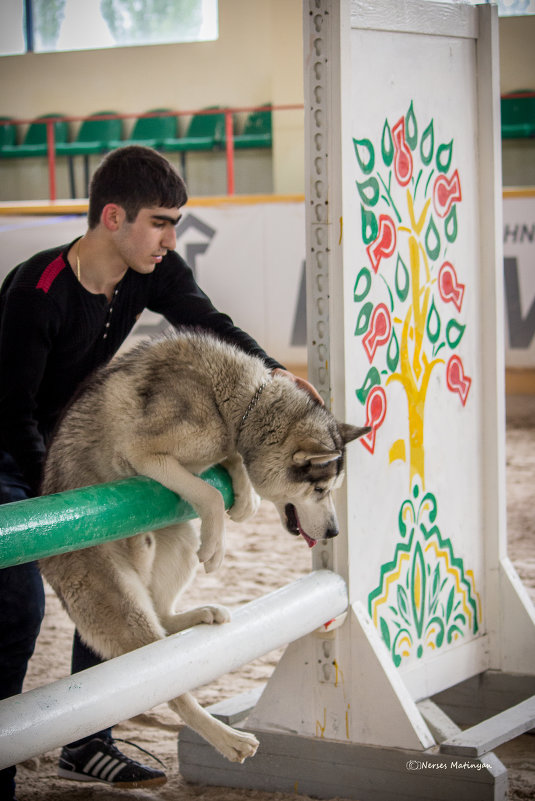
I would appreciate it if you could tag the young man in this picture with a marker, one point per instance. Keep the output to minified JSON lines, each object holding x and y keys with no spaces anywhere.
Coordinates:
{"x":63,"y":313}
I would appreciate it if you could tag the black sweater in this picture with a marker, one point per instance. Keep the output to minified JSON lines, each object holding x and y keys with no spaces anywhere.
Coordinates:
{"x":54,"y":333}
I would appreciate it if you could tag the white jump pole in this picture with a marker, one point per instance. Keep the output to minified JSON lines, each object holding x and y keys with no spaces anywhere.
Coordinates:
{"x":73,"y":707}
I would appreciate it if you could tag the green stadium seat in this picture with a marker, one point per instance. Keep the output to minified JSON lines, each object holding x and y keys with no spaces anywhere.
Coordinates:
{"x":518,"y":114}
{"x":257,"y":131}
{"x":94,"y":136}
{"x":35,"y":141}
{"x":205,"y":132}
{"x":8,"y":134}
{"x":151,"y":131}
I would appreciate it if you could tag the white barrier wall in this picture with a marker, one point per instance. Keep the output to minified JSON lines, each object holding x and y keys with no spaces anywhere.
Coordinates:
{"x":249,"y":258}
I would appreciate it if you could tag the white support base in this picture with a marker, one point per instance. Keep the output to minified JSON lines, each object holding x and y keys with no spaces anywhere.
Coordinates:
{"x":322,"y":768}
{"x":328,"y":685}
{"x":493,"y":732}
{"x":291,"y":763}
{"x":517,"y":622}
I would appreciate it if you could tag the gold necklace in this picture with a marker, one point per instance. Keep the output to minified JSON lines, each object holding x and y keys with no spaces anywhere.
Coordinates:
{"x":78,"y":272}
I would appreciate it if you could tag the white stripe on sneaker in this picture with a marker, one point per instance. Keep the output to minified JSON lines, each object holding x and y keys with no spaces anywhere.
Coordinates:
{"x":94,"y":759}
{"x":98,"y":765}
{"x":104,"y":774}
{"x":114,"y":772}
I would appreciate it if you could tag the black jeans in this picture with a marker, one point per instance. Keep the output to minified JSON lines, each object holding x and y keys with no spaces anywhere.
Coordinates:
{"x":22,"y":606}
{"x":82,"y":658}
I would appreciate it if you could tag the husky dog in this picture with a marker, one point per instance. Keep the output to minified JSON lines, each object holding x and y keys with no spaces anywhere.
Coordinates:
{"x":169,"y":409}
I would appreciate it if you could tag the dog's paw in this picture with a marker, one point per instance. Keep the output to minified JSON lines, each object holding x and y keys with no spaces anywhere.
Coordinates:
{"x":212,"y":562}
{"x":245,"y":505}
{"x":212,"y":549}
{"x":213,"y":613}
{"x":237,"y":746}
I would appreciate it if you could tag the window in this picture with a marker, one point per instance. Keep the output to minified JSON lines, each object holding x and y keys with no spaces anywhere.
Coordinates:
{"x":12,"y":28}
{"x":515,"y":8}
{"x":50,"y":25}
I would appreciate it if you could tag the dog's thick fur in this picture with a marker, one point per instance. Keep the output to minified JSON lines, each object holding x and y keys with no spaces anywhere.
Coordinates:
{"x":168,"y":410}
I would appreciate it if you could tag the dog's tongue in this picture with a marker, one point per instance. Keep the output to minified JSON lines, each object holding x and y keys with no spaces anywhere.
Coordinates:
{"x":309,"y":541}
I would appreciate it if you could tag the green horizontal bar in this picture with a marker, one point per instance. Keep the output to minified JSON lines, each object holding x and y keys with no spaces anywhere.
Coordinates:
{"x":79,"y":518}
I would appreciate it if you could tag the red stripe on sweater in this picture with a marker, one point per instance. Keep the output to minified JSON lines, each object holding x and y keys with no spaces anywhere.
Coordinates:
{"x":50,"y":274}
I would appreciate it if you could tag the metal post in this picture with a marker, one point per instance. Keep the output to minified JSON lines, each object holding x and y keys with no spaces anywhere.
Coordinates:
{"x":229,"y":138}
{"x":51,"y":150}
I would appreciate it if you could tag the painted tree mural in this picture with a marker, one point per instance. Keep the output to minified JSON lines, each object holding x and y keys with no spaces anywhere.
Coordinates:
{"x":410,"y":321}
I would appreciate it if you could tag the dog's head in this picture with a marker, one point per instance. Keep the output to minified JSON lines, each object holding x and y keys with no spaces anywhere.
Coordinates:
{"x":317,"y":468}
{"x":299,"y":473}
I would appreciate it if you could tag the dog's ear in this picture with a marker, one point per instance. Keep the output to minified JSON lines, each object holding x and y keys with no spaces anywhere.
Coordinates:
{"x":350,"y":433}
{"x":313,"y":452}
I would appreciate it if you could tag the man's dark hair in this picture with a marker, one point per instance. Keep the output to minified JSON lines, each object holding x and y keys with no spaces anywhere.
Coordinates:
{"x":134,"y":178}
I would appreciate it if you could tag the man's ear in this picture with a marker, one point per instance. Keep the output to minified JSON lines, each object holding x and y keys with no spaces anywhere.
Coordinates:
{"x":112,"y":216}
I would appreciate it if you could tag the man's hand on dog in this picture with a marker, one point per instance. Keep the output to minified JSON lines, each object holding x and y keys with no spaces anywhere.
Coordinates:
{"x":302,"y":383}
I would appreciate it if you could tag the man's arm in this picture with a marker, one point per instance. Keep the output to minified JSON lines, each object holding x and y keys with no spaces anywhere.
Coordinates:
{"x":177,"y":296}
{"x":24,"y":344}
{"x":180,"y":299}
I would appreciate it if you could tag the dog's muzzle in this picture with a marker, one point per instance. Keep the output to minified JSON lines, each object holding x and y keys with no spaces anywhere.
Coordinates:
{"x":294,"y":526}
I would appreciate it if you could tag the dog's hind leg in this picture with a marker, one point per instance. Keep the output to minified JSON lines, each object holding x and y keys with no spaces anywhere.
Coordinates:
{"x":174,"y":565}
{"x":235,"y":745}
{"x":106,"y":597}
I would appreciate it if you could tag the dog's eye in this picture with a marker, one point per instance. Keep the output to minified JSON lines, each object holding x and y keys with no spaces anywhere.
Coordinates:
{"x":319,"y":490}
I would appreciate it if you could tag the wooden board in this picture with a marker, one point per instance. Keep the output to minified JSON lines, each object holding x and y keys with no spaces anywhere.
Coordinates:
{"x":493,"y":732}
{"x":325,"y":769}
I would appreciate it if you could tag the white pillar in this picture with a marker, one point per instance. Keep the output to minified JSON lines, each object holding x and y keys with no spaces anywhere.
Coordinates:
{"x":405,"y":307}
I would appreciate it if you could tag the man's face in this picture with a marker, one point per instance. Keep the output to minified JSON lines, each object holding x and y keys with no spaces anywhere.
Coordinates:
{"x":142,"y":244}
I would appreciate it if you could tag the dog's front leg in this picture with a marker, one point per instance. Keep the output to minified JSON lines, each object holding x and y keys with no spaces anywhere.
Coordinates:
{"x":205,"y":499}
{"x":235,"y":745}
{"x":246,"y":500}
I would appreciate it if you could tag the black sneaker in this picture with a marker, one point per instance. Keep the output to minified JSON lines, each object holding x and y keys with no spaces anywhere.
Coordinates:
{"x":100,"y":760}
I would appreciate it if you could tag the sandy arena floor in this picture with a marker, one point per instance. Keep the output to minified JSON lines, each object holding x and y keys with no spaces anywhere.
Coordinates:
{"x":248,"y":572}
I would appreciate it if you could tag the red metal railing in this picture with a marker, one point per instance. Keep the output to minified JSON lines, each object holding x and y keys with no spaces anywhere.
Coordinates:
{"x":229,"y":133}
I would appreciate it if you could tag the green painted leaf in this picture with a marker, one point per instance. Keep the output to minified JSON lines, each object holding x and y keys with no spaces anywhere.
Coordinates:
{"x":370,"y":226}
{"x":433,"y":325}
{"x":373,"y":379}
{"x":427,"y":145}
{"x":368,"y":191}
{"x":385,"y":632}
{"x":362,"y":284}
{"x":444,"y":156}
{"x":411,"y":128}
{"x":363,"y":320}
{"x":454,"y":333}
{"x":387,"y":145}
{"x":450,"y":224}
{"x":432,"y":240}
{"x":392,"y":353}
{"x":402,"y":279}
{"x":365,"y":155}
